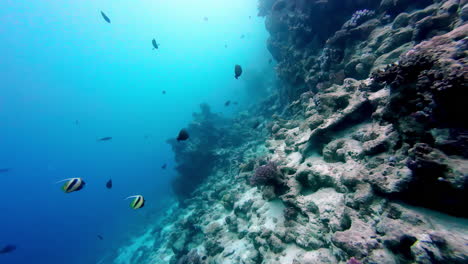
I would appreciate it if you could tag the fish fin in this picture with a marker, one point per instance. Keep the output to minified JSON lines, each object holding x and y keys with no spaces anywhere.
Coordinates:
{"x":133,"y":196}
{"x":63,"y":180}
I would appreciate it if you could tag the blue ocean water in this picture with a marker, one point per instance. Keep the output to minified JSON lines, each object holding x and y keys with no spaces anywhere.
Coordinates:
{"x":69,"y":78}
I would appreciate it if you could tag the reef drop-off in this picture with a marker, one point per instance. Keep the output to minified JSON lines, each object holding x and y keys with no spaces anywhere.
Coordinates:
{"x":359,"y":156}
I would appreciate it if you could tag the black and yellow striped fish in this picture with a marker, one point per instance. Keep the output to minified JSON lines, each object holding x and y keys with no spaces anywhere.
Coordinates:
{"x":72,"y":185}
{"x":138,"y":201}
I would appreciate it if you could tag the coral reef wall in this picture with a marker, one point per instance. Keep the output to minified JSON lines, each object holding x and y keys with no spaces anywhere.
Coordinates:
{"x":361,"y":156}
{"x":319,"y":43}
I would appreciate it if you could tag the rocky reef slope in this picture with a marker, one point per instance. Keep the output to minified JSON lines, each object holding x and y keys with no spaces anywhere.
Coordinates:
{"x":367,"y":163}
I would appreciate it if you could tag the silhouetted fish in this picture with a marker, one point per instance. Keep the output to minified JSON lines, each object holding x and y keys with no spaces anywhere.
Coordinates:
{"x":7,"y":249}
{"x":242,"y":36}
{"x":109,"y":184}
{"x":227,"y":103}
{"x":183,"y":135}
{"x":164,"y":166}
{"x":106,"y":18}
{"x":225,"y":45}
{"x":164,"y":92}
{"x":100,"y":237}
{"x":155,"y":44}
{"x":237,"y":71}
{"x":105,"y":139}
{"x":4,"y":170}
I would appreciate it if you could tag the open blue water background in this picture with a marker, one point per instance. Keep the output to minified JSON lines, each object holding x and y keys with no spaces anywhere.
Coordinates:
{"x":68,"y":78}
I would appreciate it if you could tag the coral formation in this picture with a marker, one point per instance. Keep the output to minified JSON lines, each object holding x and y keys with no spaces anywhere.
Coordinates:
{"x":368,"y":135}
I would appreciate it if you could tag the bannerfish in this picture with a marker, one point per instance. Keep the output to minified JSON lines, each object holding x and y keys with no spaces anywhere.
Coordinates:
{"x":105,"y":139}
{"x":155,"y":44}
{"x":227,"y":103}
{"x":7,"y":249}
{"x":106,"y":18}
{"x":164,"y":92}
{"x":183,"y":135}
{"x":164,"y":166}
{"x":138,"y":201}
{"x":4,"y":170}
{"x":237,"y":71}
{"x":100,"y":237}
{"x":72,"y":185}
{"x":109,"y":184}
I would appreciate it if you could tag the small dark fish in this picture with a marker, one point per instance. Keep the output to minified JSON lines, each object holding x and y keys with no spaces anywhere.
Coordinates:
{"x":4,"y":170}
{"x":205,"y":18}
{"x":100,"y":237}
{"x":164,"y":92}
{"x":155,"y":44}
{"x":225,"y":45}
{"x":270,"y":61}
{"x":227,"y":103}
{"x":105,"y":139}
{"x":109,"y":184}
{"x":106,"y":18}
{"x":7,"y":249}
{"x":183,"y":135}
{"x":164,"y":166}
{"x":242,"y":36}
{"x":237,"y":71}
{"x":77,"y":122}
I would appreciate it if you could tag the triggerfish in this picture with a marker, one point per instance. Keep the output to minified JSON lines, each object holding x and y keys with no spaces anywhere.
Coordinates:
{"x":183,"y":135}
{"x":237,"y":71}
{"x":109,"y":184}
{"x":138,"y":201}
{"x":72,"y":185}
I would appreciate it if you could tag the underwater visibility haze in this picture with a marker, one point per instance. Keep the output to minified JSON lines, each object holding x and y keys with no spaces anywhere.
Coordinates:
{"x":248,"y":131}
{"x":84,"y":98}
